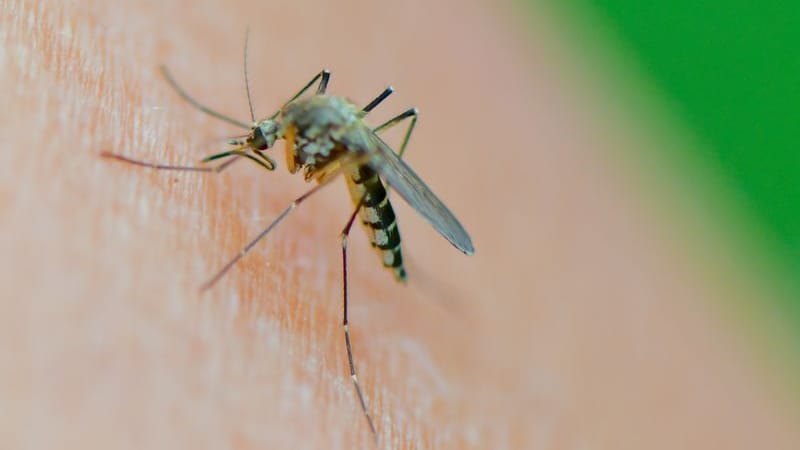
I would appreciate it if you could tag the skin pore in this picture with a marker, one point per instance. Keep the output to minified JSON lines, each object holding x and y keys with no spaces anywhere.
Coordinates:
{"x":574,"y":324}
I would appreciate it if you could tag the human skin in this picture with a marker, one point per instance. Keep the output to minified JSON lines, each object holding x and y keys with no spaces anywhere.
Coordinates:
{"x":575,"y":324}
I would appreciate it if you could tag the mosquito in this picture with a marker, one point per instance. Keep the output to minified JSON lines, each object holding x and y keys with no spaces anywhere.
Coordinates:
{"x":326,"y":136}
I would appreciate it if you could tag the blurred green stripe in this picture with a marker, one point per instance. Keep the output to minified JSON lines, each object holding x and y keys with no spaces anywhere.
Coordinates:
{"x":730,"y":71}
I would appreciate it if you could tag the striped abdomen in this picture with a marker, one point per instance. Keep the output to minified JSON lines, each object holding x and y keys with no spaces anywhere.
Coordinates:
{"x":377,"y":216}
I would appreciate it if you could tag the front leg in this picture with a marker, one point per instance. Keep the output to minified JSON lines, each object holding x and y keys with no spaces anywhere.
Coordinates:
{"x":323,"y":77}
{"x":261,"y":159}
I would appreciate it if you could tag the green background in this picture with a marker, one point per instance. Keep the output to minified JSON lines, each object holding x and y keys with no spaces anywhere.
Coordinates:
{"x":729,"y":72}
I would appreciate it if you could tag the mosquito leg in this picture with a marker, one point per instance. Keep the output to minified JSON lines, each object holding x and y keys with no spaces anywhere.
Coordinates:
{"x":270,"y":162}
{"x":227,"y":163}
{"x":156,"y":166}
{"x":262,"y":160}
{"x":323,"y":86}
{"x":346,"y":326}
{"x":184,"y":95}
{"x":323,"y":83}
{"x":260,"y":236}
{"x":413,"y":113}
{"x":386,"y":92}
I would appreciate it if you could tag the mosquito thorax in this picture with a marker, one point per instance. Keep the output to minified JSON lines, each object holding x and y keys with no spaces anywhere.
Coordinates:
{"x":263,"y":134}
{"x":314,"y":129}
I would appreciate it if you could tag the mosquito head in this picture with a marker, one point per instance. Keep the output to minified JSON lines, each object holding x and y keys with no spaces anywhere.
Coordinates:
{"x":263,"y":134}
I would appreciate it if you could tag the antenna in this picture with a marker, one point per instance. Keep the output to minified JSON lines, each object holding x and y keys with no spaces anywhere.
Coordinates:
{"x":246,"y":81}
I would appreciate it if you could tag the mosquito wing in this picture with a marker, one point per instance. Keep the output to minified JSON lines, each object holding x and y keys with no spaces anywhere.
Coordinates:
{"x":409,"y":185}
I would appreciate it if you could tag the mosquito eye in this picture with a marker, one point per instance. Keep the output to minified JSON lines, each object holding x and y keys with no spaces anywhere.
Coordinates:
{"x":258,"y":140}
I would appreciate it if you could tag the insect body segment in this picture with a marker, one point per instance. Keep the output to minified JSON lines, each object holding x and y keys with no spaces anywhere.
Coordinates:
{"x":320,"y":134}
{"x":377,"y":216}
{"x":314,"y":129}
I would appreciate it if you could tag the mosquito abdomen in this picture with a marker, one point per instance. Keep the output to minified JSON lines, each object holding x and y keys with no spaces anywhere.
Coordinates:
{"x":378,"y":217}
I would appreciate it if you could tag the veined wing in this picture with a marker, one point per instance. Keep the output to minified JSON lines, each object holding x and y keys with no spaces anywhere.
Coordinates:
{"x":409,"y":185}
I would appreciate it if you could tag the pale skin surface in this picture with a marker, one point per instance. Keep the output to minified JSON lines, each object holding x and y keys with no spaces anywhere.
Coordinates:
{"x":573,"y":326}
